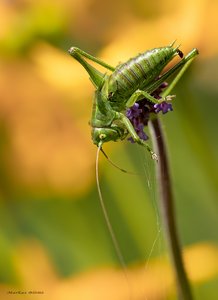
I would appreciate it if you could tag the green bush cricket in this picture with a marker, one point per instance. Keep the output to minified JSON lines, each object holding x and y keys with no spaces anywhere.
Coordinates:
{"x":129,"y":82}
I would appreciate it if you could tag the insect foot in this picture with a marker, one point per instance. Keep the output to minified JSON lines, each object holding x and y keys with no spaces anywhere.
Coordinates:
{"x":169,"y":98}
{"x":154,"y":156}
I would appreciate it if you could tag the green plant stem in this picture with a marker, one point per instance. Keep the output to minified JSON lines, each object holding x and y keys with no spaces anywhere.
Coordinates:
{"x":167,"y":210}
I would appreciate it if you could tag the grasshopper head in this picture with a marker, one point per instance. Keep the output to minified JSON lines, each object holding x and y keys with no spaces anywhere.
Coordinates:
{"x":103,"y":135}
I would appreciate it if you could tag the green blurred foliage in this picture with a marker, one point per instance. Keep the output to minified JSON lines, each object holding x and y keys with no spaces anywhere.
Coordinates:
{"x":47,"y":176}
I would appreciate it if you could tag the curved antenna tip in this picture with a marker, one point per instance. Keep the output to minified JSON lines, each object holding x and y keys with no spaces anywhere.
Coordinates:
{"x":114,"y":165}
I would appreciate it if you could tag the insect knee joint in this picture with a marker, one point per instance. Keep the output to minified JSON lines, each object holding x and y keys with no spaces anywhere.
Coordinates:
{"x":73,"y":51}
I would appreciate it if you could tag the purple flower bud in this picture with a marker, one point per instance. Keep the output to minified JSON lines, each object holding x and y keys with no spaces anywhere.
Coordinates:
{"x":163,"y":106}
{"x":139,"y":113}
{"x":133,"y":112}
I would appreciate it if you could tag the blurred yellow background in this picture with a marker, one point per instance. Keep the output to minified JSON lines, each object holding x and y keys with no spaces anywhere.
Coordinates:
{"x":53,"y":240}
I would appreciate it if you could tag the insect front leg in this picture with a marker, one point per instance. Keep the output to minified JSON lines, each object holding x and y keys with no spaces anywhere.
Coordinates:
{"x":126,"y":122}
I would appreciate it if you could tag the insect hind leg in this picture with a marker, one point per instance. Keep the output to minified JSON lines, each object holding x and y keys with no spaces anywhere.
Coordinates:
{"x":75,"y":52}
{"x":181,"y":67}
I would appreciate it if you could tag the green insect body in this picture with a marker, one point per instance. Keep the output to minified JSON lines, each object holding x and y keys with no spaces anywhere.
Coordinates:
{"x":137,"y":73}
{"x":129,"y":82}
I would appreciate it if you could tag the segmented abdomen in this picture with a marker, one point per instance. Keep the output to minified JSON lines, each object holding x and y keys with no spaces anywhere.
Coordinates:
{"x":138,"y":72}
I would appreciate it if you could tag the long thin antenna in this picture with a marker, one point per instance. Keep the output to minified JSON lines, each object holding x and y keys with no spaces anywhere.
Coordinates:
{"x":116,"y":246}
{"x":113,"y":164}
{"x":111,"y":231}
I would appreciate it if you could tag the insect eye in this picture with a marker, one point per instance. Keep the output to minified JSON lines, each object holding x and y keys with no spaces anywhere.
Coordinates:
{"x":110,"y":95}
{"x":102,"y":136}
